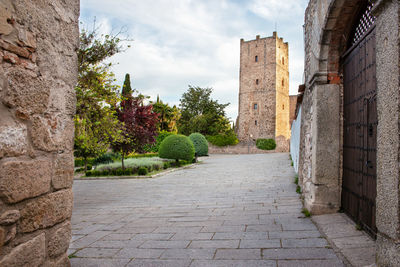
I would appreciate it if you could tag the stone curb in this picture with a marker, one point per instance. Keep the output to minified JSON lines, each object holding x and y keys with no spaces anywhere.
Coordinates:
{"x":134,"y":177}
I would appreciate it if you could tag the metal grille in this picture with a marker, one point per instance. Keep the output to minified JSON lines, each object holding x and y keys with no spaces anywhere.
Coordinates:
{"x":367,"y":20}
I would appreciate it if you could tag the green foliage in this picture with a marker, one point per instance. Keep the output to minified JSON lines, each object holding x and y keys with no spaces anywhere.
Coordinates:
{"x":168,"y":116}
{"x":143,"y":171}
{"x":166,"y":165}
{"x":296,"y":179}
{"x":200,"y":113}
{"x":200,"y":144}
{"x":160,"y":137}
{"x":306,"y":212}
{"x":358,"y":227}
{"x":80,"y":162}
{"x":96,"y":124}
{"x":298,"y":189}
{"x":146,"y":155}
{"x":266,"y":144}
{"x":106,"y":158}
{"x":227,"y":139}
{"x":177,"y":147}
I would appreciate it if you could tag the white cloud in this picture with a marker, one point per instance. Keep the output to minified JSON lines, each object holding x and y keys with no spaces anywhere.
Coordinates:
{"x":182,"y":42}
{"x":277,"y":10}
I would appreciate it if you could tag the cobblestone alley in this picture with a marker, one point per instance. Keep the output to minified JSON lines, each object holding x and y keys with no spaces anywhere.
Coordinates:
{"x":229,"y":210}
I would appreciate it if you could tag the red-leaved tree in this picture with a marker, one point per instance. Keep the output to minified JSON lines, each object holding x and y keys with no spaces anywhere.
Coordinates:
{"x":139,"y":122}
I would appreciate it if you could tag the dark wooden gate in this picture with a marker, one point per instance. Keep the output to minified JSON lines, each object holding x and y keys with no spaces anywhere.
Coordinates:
{"x":360,"y":124}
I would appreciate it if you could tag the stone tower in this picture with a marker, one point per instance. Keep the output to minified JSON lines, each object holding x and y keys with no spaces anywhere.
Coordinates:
{"x":264,"y":90}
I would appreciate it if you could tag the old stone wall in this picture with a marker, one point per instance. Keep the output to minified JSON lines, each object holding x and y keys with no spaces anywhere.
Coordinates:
{"x":38,"y":71}
{"x":282,"y":108}
{"x":264,"y":90}
{"x":292,"y":110}
{"x":257,"y":89}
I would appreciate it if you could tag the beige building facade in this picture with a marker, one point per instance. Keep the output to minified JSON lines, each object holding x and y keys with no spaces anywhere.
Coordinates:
{"x":264,"y":104}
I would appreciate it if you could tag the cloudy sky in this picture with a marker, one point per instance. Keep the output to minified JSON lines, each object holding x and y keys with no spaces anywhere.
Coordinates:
{"x":177,"y":43}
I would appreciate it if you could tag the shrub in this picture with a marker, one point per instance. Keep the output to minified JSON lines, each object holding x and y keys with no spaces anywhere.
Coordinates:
{"x":89,"y":167}
{"x":177,"y":147}
{"x":200,"y":144}
{"x":166,"y":165}
{"x":227,"y":139}
{"x":80,"y":162}
{"x":146,"y":155}
{"x":119,"y":172}
{"x":266,"y":144}
{"x":160,"y":137}
{"x":143,"y":171}
{"x":88,"y":173}
{"x":105,"y":158}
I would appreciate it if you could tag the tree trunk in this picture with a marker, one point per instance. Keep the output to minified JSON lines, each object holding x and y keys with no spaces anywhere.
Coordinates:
{"x":122,"y":156}
{"x":85,"y":161}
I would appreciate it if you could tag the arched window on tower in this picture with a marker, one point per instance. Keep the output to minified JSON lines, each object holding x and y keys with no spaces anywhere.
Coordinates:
{"x":283,"y":61}
{"x":256,"y":59}
{"x":283,"y":82}
{"x":257,"y":81}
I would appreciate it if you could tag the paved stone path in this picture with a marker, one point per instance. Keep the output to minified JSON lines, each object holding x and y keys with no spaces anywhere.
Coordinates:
{"x":230,"y":210}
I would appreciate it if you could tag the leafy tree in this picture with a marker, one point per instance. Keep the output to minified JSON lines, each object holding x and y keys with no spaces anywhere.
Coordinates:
{"x":138,"y":122}
{"x":168,"y":116}
{"x":96,"y":124}
{"x":200,"y":113}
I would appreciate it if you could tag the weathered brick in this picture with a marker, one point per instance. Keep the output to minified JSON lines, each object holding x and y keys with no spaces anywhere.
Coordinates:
{"x":31,"y":253}
{"x":63,"y":171}
{"x":24,"y":179}
{"x":46,"y":211}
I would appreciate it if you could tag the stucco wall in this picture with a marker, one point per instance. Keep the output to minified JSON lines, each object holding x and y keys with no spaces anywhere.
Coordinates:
{"x":38,"y":71}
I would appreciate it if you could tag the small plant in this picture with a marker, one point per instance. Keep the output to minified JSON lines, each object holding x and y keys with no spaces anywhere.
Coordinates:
{"x":359,"y":227}
{"x":88,"y":173}
{"x":291,"y":163}
{"x":306,"y":212}
{"x":298,"y":189}
{"x":266,"y":144}
{"x":177,"y":147}
{"x":296,"y":179}
{"x":166,"y":165}
{"x":120,"y":172}
{"x":143,"y":171}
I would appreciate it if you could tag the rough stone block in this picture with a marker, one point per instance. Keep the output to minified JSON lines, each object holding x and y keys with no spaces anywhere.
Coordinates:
{"x":24,"y":179}
{"x":9,"y":217}
{"x":31,"y":253}
{"x":63,"y":171}
{"x":46,"y":211}
{"x":52,"y":134}
{"x":6,"y":10}
{"x":26,"y":90}
{"x":13,"y":140}
{"x":58,"y":241}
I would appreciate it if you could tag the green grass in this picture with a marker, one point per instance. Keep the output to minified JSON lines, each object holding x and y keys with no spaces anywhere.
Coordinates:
{"x":306,"y":212}
{"x":135,"y":163}
{"x":70,"y":256}
{"x":298,"y":189}
{"x":296,"y":179}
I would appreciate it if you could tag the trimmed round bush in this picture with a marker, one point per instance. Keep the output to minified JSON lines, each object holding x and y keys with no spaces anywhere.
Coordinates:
{"x":200,"y":144}
{"x":266,"y":144}
{"x":176,"y":147}
{"x":143,"y":171}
